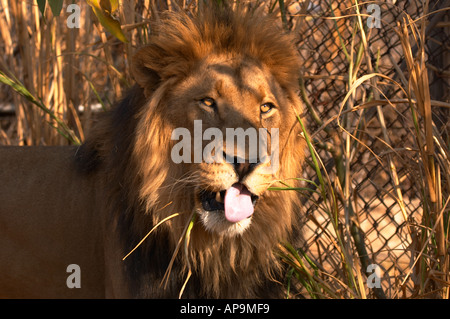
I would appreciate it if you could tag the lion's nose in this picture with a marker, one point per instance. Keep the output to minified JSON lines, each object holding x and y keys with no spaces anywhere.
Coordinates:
{"x":241,"y":166}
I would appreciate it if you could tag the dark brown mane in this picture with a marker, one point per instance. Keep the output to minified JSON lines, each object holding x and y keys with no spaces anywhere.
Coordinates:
{"x":130,"y":147}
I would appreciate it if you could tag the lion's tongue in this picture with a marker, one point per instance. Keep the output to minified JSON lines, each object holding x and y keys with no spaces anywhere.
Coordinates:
{"x":238,"y":203}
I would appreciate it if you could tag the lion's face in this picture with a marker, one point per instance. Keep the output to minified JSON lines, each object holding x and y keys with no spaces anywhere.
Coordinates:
{"x":204,"y":80}
{"x":229,"y":180}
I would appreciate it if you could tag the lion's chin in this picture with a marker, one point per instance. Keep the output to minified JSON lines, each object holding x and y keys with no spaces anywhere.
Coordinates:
{"x":215,"y":222}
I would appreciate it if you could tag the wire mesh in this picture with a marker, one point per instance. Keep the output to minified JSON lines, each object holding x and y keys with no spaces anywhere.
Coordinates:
{"x":327,"y":28}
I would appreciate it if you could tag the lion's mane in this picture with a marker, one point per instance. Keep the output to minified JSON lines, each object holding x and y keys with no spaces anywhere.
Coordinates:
{"x":130,"y":147}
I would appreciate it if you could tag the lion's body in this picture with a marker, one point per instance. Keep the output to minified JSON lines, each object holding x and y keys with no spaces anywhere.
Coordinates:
{"x":92,"y":206}
{"x":43,"y":232}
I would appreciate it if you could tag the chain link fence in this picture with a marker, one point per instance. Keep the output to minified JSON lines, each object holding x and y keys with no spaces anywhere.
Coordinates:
{"x":328,"y":34}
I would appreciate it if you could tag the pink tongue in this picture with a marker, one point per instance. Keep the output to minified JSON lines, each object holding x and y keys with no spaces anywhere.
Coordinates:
{"x":238,"y":203}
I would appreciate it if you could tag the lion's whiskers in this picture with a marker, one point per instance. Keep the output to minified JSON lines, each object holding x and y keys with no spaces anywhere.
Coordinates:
{"x":189,"y":178}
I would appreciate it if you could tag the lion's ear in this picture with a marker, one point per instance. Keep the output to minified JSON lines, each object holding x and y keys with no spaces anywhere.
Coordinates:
{"x":145,"y":69}
{"x":154,"y":64}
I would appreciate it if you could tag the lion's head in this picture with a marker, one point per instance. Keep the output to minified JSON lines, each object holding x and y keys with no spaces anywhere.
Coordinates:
{"x":219,"y":70}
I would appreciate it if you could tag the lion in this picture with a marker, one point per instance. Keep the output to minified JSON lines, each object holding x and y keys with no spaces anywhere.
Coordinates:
{"x":136,"y":222}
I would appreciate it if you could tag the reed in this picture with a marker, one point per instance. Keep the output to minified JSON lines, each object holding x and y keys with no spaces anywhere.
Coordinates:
{"x":332,"y":190}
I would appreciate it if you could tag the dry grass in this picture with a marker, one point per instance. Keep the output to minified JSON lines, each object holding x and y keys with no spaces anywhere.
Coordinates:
{"x":58,"y":69}
{"x":62,"y":68}
{"x":428,"y":239}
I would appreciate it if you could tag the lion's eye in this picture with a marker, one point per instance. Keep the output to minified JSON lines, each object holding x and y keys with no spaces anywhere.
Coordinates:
{"x":209,"y":102}
{"x":266,"y":108}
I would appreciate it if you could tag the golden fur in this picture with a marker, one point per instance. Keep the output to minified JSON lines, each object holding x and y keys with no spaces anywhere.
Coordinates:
{"x":241,"y":61}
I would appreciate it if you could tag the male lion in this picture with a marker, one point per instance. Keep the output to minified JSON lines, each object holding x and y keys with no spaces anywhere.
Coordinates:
{"x":216,"y":227}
